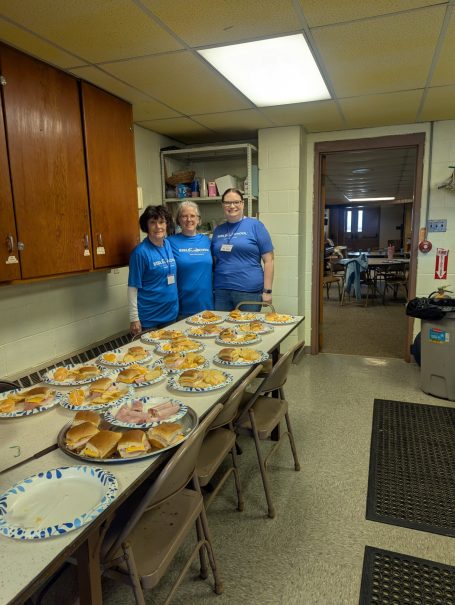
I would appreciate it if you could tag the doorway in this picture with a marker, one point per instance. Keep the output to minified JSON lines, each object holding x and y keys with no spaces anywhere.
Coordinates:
{"x":337,"y":208}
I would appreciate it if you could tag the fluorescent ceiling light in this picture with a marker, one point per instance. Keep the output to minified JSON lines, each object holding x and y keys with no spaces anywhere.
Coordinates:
{"x":361,"y":170}
{"x":277,"y":71}
{"x":369,"y":199}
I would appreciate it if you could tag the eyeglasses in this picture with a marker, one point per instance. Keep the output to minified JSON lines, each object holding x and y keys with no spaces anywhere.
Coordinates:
{"x":235,"y":203}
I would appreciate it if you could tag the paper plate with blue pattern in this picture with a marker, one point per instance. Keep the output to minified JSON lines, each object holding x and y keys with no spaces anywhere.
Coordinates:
{"x":20,"y":402}
{"x":116,"y":359}
{"x":55,"y":502}
{"x":174,"y":383}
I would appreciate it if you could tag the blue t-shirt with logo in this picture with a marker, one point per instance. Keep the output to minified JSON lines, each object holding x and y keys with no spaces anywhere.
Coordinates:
{"x":150,"y":266}
{"x":241,"y":268}
{"x":194,"y":272}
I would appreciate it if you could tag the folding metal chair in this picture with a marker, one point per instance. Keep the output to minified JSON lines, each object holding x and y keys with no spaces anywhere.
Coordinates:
{"x":220,"y":441}
{"x":262,"y":414}
{"x":144,"y":536}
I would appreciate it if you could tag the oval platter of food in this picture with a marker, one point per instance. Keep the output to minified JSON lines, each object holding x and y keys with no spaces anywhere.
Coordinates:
{"x":144,"y":412}
{"x":94,"y":439}
{"x":25,"y":402}
{"x":119,"y":358}
{"x":241,"y":356}
{"x":206,"y":317}
{"x":233,"y":337}
{"x":241,"y":316}
{"x":200,"y":381}
{"x":73,"y":375}
{"x":280,"y":319}
{"x":99,"y":395}
{"x":156,"y":335}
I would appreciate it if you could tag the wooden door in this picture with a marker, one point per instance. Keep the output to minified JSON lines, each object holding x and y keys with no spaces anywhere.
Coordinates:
{"x":111,"y":168}
{"x":9,"y":255}
{"x":45,"y":144}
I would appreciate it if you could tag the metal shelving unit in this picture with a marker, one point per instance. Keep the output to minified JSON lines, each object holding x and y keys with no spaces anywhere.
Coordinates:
{"x":193,"y":158}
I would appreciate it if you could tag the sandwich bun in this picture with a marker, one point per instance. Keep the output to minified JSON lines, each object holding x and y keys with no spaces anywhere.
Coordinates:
{"x":188,"y":377}
{"x":228,"y":354}
{"x":102,"y":445}
{"x":133,"y":443}
{"x":165,"y":434}
{"x":100,"y":385}
{"x":128,"y":375}
{"x":77,"y":436}
{"x":38,"y":395}
{"x":86,"y":416}
{"x":88,"y":371}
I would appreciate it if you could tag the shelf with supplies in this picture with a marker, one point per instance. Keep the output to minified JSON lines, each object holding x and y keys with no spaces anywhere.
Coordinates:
{"x":234,"y":165}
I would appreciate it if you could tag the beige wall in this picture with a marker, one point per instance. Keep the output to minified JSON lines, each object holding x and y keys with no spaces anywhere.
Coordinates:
{"x":47,"y":319}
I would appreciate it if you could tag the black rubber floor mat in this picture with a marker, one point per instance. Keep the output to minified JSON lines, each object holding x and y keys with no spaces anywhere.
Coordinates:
{"x":390,"y":578}
{"x":412,"y":466}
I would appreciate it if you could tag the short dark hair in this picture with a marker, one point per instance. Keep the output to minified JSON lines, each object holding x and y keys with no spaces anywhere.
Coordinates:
{"x":232,"y":190}
{"x":156,"y":213}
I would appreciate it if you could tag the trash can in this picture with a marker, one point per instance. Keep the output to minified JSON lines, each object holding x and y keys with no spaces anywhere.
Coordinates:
{"x":438,"y":354}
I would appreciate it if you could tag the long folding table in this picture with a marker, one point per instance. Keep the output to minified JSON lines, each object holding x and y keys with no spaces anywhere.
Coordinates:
{"x":29,"y":446}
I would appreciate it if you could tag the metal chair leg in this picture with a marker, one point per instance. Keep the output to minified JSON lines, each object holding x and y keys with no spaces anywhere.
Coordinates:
{"x":238,"y":487}
{"x":131,"y":565}
{"x":265,"y":481}
{"x":292,"y":442}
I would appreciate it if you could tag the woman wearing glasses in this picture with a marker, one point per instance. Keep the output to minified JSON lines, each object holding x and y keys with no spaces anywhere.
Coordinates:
{"x":243,"y":254}
{"x":194,"y":262}
{"x":152,"y":289}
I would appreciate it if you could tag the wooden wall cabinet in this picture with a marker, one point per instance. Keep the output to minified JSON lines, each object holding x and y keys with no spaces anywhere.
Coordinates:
{"x":111,"y":173}
{"x":67,"y":173}
{"x":46,"y":158}
{"x":9,"y":255}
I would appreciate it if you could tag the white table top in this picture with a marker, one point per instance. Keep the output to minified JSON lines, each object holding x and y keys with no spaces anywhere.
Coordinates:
{"x":23,"y":561}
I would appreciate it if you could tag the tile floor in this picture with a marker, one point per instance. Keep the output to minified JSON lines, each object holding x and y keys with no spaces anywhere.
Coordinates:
{"x":312,"y":552}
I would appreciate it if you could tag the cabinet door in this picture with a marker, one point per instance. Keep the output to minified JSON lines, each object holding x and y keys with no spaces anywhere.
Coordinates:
{"x":111,"y":169}
{"x":9,"y":256}
{"x":45,"y":145}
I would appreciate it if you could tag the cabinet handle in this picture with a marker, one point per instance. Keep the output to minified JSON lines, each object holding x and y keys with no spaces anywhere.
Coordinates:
{"x":86,"y":242}
{"x":100,"y":240}
{"x":20,"y":246}
{"x":10,"y":243}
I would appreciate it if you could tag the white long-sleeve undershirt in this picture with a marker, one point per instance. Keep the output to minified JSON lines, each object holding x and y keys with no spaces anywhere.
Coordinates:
{"x":132,"y":304}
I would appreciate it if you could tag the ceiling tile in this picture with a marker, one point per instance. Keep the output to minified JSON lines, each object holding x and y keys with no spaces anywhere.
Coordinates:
{"x":33,"y":45}
{"x":144,"y":108}
{"x":202,"y":22}
{"x":380,"y":55}
{"x":96,"y":31}
{"x":381,"y":110}
{"x":445,"y":69}
{"x":439,"y":104}
{"x":182,"y":81}
{"x":235,"y":124}
{"x":334,"y":11}
{"x":315,"y":117}
{"x":184,"y":130}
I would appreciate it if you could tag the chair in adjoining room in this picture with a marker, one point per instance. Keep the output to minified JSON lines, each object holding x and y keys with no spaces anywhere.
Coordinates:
{"x":147,"y":532}
{"x":331,"y":276}
{"x":393,"y":277}
{"x":262,"y":414}
{"x":219,"y":441}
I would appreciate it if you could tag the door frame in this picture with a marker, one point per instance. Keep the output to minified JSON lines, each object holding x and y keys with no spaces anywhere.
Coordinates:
{"x":323,"y":148}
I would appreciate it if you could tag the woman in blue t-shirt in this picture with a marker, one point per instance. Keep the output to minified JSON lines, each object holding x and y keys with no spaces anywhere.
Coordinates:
{"x":152,"y":288}
{"x":243,"y":253}
{"x":194,"y":262}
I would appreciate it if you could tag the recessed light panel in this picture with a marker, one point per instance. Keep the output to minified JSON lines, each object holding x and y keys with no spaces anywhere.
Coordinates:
{"x":277,"y":71}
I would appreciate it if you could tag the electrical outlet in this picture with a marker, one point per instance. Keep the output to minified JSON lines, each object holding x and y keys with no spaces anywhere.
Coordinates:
{"x":437,"y":225}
